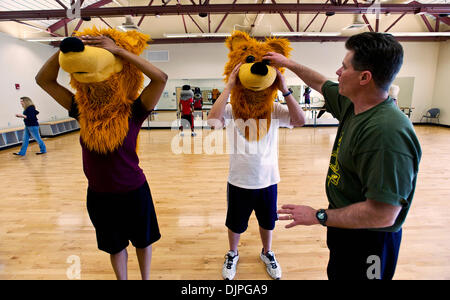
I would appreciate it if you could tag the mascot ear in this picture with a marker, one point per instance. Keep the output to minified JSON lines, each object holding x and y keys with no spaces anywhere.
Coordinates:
{"x":137,"y":41}
{"x":278,"y":45}
{"x":236,"y":39}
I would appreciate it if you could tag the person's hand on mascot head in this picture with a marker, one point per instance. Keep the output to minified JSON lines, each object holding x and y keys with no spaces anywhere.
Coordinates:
{"x":255,"y":73}
{"x":92,"y":55}
{"x":102,"y":42}
{"x":233,"y":77}
{"x":90,"y":58}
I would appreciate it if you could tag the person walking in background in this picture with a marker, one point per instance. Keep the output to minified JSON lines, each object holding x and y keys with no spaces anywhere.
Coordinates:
{"x":31,"y":126}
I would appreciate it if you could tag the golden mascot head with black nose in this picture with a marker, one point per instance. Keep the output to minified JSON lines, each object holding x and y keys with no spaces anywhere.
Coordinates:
{"x":106,"y":86}
{"x":253,"y":96}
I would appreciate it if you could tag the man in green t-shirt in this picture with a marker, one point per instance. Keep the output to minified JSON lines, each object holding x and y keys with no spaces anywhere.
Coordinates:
{"x":374,"y":162}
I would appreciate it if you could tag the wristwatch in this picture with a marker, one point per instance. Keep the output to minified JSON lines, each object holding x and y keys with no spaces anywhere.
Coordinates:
{"x":322,"y":217}
{"x":288,"y":92}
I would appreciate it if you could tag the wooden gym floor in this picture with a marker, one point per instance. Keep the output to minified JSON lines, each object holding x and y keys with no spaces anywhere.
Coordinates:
{"x":44,"y":222}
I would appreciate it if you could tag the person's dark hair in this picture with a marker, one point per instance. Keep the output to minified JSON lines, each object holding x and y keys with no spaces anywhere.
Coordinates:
{"x":186,"y":87}
{"x":378,"y":53}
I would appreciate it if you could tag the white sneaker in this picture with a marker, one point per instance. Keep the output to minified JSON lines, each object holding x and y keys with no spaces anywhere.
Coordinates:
{"x":272,"y":266}
{"x":229,"y":266}
{"x":193,"y":133}
{"x":182,"y":133}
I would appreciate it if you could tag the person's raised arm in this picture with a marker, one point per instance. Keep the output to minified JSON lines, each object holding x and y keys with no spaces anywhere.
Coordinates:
{"x":296,"y":113}
{"x":215,"y":116}
{"x":310,"y":77}
{"x":46,"y":79}
{"x":152,"y":92}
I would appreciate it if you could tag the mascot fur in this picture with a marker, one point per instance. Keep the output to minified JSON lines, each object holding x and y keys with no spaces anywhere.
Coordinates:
{"x":106,"y":86}
{"x":255,"y":91}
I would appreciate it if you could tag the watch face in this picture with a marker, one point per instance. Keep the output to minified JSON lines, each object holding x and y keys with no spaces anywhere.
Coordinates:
{"x":321,"y":216}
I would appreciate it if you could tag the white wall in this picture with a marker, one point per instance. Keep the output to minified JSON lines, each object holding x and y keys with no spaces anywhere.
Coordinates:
{"x":20,"y":61}
{"x":420,"y":61}
{"x":442,"y":83}
{"x":193,"y":61}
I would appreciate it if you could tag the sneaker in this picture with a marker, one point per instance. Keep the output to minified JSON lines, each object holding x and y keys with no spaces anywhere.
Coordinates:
{"x":39,"y":153}
{"x":272,"y":266}
{"x":15,"y":153}
{"x":193,"y":133}
{"x":229,"y":266}
{"x":182,"y":133}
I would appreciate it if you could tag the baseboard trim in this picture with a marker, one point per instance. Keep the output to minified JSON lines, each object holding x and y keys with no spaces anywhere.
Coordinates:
{"x":430,"y":124}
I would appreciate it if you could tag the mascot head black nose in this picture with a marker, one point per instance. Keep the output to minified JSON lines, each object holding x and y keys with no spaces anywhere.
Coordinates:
{"x":71,"y":44}
{"x":259,"y":68}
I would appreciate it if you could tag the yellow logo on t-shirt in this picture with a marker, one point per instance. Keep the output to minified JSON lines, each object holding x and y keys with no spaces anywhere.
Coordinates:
{"x":334,"y":165}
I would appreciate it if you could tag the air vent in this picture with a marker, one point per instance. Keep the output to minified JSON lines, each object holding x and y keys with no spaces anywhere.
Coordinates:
{"x":158,"y":56}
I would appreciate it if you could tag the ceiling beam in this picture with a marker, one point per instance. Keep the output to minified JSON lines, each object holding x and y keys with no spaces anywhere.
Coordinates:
{"x":284,"y":19}
{"x":63,"y":22}
{"x":323,"y":25}
{"x":367,"y":22}
{"x":425,"y":20}
{"x":306,"y":28}
{"x":143,"y":16}
{"x":295,"y":39}
{"x":198,"y":26}
{"x":445,"y":20}
{"x":101,"y":19}
{"x":364,"y":17}
{"x":223,"y":9}
{"x":223,"y":19}
{"x":395,"y":22}
{"x":221,"y":40}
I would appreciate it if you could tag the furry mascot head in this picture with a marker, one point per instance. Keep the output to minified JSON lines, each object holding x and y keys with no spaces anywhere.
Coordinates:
{"x":106,"y":86}
{"x":186,"y":93}
{"x":254,"y":93}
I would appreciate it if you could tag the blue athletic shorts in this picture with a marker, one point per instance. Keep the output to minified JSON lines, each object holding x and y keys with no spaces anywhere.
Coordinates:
{"x":122,"y":217}
{"x":242,"y":202}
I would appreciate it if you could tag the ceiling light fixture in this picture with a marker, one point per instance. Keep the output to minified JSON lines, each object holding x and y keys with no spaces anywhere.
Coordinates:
{"x":46,"y":39}
{"x":128,"y":25}
{"x":358,"y":23}
{"x":308,"y":34}
{"x":181,"y":35}
{"x":192,"y":35}
{"x":420,"y":33}
{"x":218,"y":34}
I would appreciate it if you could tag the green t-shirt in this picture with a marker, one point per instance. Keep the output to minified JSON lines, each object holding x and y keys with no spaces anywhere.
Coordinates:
{"x":375,"y":156}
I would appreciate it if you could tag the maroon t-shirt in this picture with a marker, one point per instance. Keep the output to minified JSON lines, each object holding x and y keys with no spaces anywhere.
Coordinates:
{"x":118,"y":171}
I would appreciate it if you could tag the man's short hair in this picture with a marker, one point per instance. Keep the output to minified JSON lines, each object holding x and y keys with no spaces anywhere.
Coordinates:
{"x":378,"y":53}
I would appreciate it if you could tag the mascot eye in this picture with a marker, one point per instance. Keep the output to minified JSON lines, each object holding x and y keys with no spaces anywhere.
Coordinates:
{"x":250,"y":59}
{"x":266,"y":62}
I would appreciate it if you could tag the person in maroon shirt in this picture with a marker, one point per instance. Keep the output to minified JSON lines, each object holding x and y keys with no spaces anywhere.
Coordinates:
{"x":118,"y":198}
